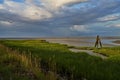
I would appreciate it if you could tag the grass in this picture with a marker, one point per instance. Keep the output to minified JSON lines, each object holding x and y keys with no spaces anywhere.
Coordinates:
{"x":56,"y":59}
{"x":109,"y":51}
{"x":16,"y":66}
{"x":12,"y":68}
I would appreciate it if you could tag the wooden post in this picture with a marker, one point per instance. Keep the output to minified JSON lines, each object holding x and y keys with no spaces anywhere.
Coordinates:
{"x":98,"y":42}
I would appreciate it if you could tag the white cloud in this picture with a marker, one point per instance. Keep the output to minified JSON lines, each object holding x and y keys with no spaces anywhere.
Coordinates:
{"x":116,"y":25}
{"x":30,"y":10}
{"x":56,"y":4}
{"x":36,"y":13}
{"x":13,"y":7}
{"x":109,"y":17}
{"x":1,"y":6}
{"x":6,"y":23}
{"x":26,"y":10}
{"x":81,"y":28}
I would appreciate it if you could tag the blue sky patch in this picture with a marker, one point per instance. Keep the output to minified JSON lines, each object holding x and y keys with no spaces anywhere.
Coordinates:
{"x":1,"y":1}
{"x":18,"y":0}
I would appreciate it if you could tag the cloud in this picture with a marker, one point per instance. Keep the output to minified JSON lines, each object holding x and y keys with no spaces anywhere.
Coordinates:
{"x":58,"y":17}
{"x":31,"y":10}
{"x":59,"y":3}
{"x":1,"y":6}
{"x":26,"y":10}
{"x":36,"y":13}
{"x":6,"y":23}
{"x":110,"y":17}
{"x":117,"y":25}
{"x":81,"y":28}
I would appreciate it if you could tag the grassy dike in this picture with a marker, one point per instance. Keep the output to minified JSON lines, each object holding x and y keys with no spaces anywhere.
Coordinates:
{"x":58,"y":59}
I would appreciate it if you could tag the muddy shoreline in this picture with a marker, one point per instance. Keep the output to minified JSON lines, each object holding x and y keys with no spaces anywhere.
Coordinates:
{"x":84,"y":42}
{"x":75,"y":41}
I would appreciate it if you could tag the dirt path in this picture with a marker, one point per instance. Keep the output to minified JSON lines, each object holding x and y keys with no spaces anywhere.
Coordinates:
{"x":90,"y":52}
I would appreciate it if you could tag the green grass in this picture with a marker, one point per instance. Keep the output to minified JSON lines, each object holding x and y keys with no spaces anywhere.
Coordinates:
{"x":12,"y":68}
{"x":109,"y":51}
{"x":58,"y":59}
{"x":16,"y":66}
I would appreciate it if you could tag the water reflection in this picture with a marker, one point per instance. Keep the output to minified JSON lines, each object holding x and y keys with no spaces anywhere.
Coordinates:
{"x":83,"y":42}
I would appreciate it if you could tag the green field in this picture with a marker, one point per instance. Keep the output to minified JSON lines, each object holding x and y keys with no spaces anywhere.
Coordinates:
{"x":40,"y":60}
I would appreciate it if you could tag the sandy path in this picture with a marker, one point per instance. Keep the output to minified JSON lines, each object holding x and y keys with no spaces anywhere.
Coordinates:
{"x":90,"y":52}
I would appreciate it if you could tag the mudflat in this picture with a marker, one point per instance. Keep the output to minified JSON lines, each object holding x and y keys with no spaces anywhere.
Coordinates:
{"x":117,"y":41}
{"x":85,"y":41}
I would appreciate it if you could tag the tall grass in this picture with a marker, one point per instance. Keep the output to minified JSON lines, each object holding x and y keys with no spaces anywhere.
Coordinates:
{"x":31,"y":69}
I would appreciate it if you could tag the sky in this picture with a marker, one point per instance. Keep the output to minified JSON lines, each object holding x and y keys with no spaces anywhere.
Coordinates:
{"x":59,"y":18}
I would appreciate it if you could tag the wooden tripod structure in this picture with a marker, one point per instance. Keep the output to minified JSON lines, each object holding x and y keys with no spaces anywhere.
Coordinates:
{"x":98,"y":42}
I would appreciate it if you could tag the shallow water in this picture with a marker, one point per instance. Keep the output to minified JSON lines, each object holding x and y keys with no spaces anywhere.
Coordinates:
{"x":90,"y":52}
{"x":83,"y":42}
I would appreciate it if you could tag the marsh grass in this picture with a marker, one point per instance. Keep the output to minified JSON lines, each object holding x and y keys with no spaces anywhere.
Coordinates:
{"x":109,"y":51}
{"x":57,"y":60}
{"x":30,"y":63}
{"x":25,"y":61}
